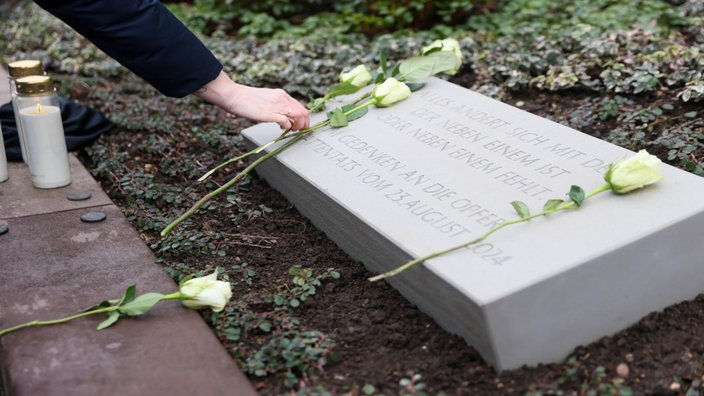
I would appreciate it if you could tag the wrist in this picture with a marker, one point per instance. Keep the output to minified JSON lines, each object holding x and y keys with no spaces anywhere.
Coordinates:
{"x":222,"y":92}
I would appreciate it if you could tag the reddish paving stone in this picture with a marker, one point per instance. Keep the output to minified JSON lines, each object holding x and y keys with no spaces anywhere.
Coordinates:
{"x":54,"y":265}
{"x":18,"y":197}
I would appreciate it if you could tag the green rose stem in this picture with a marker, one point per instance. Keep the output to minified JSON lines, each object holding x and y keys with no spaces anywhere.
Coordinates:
{"x":56,"y":321}
{"x":293,"y":139}
{"x":257,"y":150}
{"x":545,"y":212}
{"x":106,"y":310}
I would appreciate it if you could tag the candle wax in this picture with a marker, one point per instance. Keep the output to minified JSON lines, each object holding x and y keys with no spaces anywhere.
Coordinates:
{"x":46,"y":145}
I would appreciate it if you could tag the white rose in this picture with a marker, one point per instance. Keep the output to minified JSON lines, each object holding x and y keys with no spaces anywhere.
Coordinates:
{"x":206,"y":292}
{"x":358,"y":77}
{"x":390,"y":92}
{"x":633,"y":173}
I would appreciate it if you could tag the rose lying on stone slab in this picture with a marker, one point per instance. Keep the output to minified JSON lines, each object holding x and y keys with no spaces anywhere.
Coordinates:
{"x":622,"y":177}
{"x":358,"y":77}
{"x":195,"y":293}
{"x":633,"y":173}
{"x":390,"y":92}
{"x":205,"y":292}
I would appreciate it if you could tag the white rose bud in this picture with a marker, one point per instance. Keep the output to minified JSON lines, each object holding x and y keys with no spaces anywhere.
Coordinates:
{"x":206,"y":292}
{"x":358,"y":77}
{"x":633,"y":173}
{"x":448,"y":44}
{"x":390,"y":92}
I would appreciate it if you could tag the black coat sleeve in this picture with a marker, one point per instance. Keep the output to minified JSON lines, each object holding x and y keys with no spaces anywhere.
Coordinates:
{"x":145,"y":37}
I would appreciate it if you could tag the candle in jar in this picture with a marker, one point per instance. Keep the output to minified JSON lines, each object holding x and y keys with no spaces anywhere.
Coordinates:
{"x":20,"y":69}
{"x":48,"y":156}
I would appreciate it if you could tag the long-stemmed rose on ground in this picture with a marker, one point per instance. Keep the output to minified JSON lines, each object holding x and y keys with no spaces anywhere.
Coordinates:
{"x":194,"y":293}
{"x":622,"y":177}
{"x":391,"y":86}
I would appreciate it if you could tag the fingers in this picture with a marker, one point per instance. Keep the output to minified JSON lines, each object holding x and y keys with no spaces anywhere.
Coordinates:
{"x":259,"y":104}
{"x":296,"y":117}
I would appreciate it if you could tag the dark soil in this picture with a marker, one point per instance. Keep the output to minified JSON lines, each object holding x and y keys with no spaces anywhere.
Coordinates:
{"x":381,"y":338}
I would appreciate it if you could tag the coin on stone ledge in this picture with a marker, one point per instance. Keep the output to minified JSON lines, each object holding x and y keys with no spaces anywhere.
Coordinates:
{"x":79,"y":196}
{"x":93,"y":217}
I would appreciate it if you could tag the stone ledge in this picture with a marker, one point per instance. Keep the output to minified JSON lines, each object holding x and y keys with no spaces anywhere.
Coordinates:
{"x":54,"y":265}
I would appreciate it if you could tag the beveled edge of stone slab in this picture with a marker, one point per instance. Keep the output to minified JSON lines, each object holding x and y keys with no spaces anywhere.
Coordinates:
{"x":18,"y":197}
{"x":55,"y":265}
{"x":611,"y":293}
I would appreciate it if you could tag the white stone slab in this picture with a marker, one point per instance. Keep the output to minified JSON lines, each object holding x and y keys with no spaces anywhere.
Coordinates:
{"x":442,"y":167}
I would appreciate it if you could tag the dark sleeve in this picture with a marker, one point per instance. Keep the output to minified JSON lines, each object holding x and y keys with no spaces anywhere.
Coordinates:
{"x":145,"y":37}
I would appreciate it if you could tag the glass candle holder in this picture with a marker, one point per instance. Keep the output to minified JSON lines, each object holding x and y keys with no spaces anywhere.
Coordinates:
{"x":15,"y":70}
{"x":40,"y":115}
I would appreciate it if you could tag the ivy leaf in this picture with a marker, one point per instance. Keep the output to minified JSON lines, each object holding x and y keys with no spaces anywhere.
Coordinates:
{"x":577,"y":195}
{"x":337,"y":118}
{"x":521,"y":209}
{"x":265,"y":327}
{"x":112,"y":318}
{"x":417,"y":68}
{"x":140,"y":304}
{"x":355,"y":114}
{"x":552,"y":204}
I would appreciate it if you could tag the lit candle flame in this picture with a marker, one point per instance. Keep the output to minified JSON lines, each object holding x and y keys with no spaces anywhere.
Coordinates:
{"x":39,"y":107}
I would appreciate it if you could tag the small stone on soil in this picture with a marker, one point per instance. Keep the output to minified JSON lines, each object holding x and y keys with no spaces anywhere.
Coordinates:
{"x":622,"y":370}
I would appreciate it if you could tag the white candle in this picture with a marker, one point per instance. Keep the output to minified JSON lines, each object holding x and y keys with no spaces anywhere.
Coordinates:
{"x":3,"y":159}
{"x":46,"y":145}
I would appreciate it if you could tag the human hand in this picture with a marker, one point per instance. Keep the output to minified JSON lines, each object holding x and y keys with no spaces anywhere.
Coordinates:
{"x":256,"y":104}
{"x":270,"y":105}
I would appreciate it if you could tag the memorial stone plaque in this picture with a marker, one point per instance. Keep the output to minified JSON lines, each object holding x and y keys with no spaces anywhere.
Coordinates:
{"x":442,"y":167}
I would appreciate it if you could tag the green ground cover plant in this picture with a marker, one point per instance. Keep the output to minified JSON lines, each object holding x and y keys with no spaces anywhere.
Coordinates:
{"x":631,"y":73}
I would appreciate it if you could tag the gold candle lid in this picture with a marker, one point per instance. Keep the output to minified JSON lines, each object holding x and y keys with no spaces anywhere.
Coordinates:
{"x":23,"y":68}
{"x":34,"y":86}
